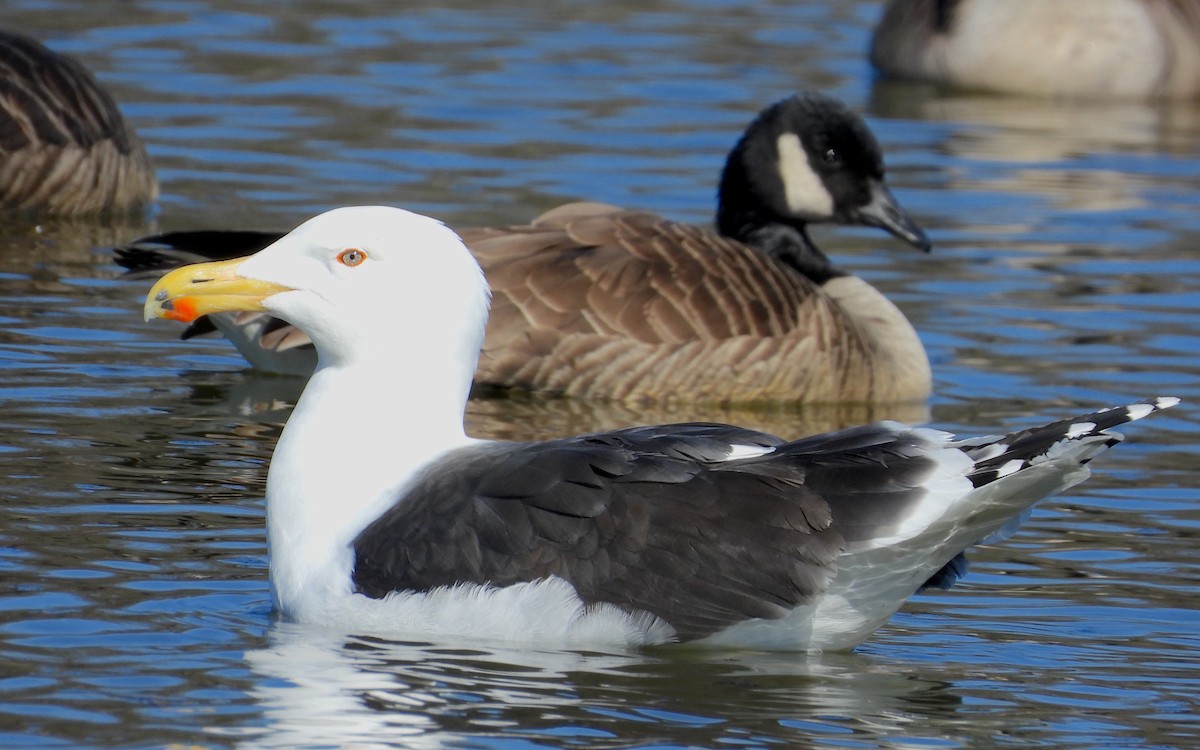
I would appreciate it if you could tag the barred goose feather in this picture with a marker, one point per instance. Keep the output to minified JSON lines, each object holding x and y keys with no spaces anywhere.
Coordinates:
{"x":64,"y":147}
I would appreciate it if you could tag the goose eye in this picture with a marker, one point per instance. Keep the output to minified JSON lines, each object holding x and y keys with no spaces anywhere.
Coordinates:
{"x":351,"y":257}
{"x":832,"y":157}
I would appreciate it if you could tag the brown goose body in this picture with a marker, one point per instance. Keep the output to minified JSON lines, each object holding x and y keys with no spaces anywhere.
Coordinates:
{"x":64,"y":147}
{"x":590,"y":300}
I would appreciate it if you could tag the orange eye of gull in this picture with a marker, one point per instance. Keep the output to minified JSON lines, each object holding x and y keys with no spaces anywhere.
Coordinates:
{"x":351,"y":257}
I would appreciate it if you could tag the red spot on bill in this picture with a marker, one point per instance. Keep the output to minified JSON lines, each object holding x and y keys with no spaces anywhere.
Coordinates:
{"x":182,"y":309}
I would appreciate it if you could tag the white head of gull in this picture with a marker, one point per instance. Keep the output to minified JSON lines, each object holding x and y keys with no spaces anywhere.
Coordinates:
{"x":383,"y":516}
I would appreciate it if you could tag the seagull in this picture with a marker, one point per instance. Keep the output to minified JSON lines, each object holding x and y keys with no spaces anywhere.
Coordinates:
{"x":593,"y":301}
{"x":383,"y":516}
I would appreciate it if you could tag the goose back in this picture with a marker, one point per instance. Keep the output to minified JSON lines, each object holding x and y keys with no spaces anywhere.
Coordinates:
{"x":590,"y":300}
{"x":64,"y":147}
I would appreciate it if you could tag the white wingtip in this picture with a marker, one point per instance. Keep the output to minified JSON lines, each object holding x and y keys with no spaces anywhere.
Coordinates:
{"x":1137,"y":411}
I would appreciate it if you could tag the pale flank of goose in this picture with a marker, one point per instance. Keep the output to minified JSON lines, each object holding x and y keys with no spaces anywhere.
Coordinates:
{"x":1069,"y":48}
{"x":64,"y":148}
{"x":384,"y":516}
{"x":593,"y":301}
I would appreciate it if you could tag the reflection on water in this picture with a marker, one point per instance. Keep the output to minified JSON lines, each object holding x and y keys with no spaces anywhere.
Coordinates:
{"x":320,"y":688}
{"x":1015,"y":129}
{"x":264,"y":402}
{"x":531,"y":417}
{"x":134,"y":609}
{"x":1077,"y":158}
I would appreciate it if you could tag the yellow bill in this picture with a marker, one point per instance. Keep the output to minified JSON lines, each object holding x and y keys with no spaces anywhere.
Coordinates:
{"x":203,"y":288}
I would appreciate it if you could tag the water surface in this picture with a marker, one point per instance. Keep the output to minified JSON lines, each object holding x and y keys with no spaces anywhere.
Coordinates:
{"x":134,"y":610}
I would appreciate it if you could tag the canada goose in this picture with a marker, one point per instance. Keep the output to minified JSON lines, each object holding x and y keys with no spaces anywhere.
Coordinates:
{"x":384,"y":516}
{"x":1089,"y":48}
{"x":593,"y":301}
{"x":64,"y":147}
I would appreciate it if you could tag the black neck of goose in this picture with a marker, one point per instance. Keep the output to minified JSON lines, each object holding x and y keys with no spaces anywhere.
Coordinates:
{"x":787,"y":243}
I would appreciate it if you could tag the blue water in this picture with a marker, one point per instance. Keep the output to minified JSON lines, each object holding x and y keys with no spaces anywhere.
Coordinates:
{"x":133,"y":603}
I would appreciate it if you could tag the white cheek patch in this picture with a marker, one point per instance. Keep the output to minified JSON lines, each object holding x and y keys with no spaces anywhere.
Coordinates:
{"x":803,"y":188}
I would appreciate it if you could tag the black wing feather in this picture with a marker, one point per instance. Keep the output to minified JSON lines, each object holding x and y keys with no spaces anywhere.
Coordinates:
{"x":1029,"y":445}
{"x":153,"y":255}
{"x":646,"y":519}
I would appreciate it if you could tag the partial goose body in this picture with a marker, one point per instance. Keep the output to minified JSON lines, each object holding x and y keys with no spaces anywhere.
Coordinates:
{"x":594,"y":301}
{"x":1073,"y":48}
{"x":64,"y":147}
{"x":631,"y":306}
{"x":384,"y":516}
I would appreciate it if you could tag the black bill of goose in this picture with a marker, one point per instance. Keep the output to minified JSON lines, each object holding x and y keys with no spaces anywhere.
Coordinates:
{"x":594,"y":301}
{"x":1091,"y":49}
{"x":65,"y":150}
{"x":384,"y":516}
